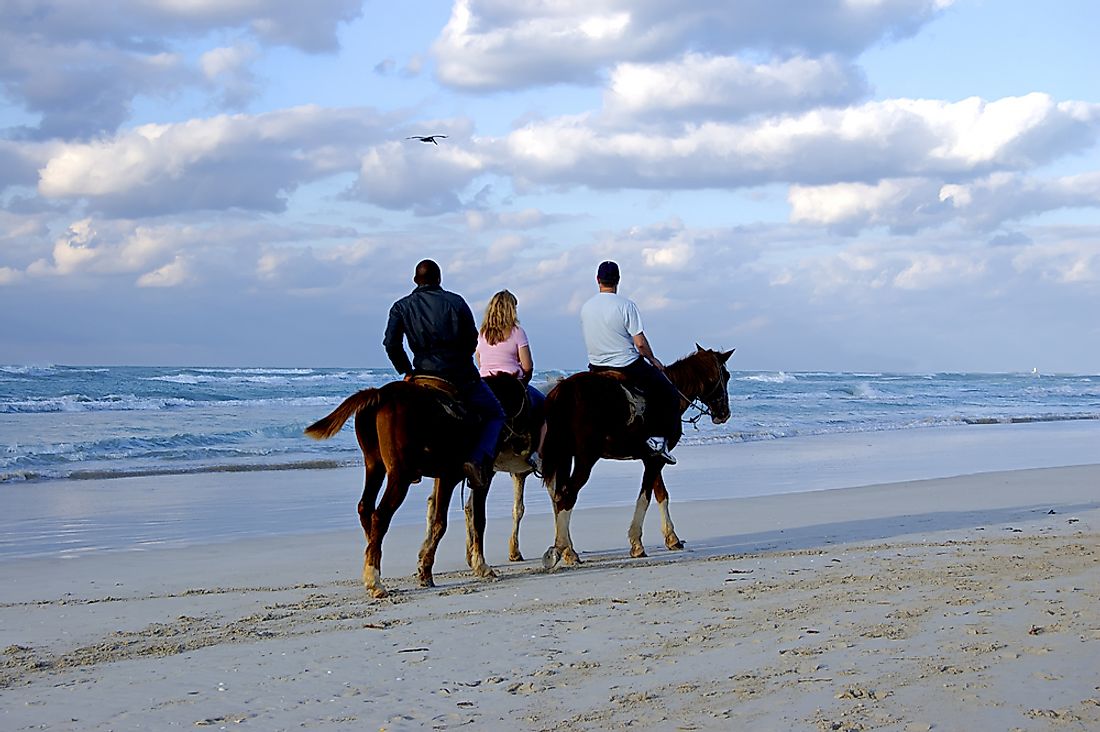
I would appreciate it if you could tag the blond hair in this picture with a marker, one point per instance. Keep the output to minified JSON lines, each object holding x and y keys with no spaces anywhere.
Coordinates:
{"x":500,"y":317}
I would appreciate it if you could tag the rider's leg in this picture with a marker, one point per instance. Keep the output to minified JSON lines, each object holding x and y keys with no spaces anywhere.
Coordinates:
{"x":482,"y":400}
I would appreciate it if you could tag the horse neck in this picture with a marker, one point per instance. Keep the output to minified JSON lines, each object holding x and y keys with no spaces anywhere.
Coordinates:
{"x":687,"y":376}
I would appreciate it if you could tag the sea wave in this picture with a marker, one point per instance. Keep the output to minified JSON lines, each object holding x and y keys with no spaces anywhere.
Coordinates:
{"x":779,"y":377}
{"x":110,"y":473}
{"x":132,"y":403}
{"x":269,"y":377}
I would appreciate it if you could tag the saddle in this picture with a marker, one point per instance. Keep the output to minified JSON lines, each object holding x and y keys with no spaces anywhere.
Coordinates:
{"x":445,"y":393}
{"x":635,"y":396}
{"x":519,"y":419}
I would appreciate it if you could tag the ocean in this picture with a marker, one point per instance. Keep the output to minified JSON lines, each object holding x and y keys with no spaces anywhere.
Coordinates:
{"x":77,"y":445}
{"x":67,"y":423}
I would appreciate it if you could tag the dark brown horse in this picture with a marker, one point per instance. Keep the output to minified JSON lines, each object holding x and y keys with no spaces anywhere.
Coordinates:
{"x":589,"y":416}
{"x":407,"y":431}
{"x":520,"y":436}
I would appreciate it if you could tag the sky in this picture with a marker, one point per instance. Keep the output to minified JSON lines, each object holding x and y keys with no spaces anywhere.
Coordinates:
{"x":856,"y":185}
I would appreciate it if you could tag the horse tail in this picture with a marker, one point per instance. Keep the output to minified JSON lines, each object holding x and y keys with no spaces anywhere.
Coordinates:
{"x":557,"y":448}
{"x":326,"y":427}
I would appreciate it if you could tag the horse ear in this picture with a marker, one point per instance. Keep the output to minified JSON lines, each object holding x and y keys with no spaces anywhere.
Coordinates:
{"x":723,"y":357}
{"x":698,"y":347}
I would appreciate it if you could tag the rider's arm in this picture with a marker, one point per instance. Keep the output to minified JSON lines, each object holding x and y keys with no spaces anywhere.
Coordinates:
{"x":642,"y":344}
{"x":394,"y":342}
{"x":526,"y":363}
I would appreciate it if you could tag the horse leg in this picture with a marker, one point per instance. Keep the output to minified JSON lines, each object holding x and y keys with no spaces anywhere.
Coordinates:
{"x":565,"y":498}
{"x":397,"y":487}
{"x":438,"y":504}
{"x":661,"y":494}
{"x":475,"y":533}
{"x":650,"y":476}
{"x":518,"y":481}
{"x":375,"y":474}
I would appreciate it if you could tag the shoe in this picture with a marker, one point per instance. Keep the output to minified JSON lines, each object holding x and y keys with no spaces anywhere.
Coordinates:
{"x":659,"y":446}
{"x":535,"y":461}
{"x":478,"y":474}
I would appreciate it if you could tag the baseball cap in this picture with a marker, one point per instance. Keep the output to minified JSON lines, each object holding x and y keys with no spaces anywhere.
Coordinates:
{"x":608,"y":273}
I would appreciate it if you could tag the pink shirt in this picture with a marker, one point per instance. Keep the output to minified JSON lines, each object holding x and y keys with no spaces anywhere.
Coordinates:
{"x":504,"y":356}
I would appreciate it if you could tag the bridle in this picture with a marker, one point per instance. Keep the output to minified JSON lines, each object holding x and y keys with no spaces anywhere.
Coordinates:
{"x":700,"y":402}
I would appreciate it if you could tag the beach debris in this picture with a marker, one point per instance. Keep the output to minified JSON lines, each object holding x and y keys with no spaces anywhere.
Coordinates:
{"x":859,"y":692}
{"x":211,"y":721}
{"x":1036,"y":630}
{"x":419,"y":649}
{"x":1051,"y":512}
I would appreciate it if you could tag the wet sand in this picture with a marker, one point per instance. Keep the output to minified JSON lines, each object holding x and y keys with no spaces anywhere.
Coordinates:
{"x":970,"y":602}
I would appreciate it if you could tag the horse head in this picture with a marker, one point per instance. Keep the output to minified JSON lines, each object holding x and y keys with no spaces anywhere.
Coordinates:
{"x":713,"y":380}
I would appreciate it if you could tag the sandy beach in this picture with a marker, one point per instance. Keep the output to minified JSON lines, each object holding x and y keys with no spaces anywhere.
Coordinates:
{"x":952,"y":603}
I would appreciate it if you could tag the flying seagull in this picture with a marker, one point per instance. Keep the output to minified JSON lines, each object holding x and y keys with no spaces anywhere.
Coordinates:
{"x":430,"y":138}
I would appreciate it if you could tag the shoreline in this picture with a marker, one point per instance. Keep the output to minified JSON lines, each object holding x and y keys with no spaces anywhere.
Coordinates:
{"x":970,"y":602}
{"x":87,"y":517}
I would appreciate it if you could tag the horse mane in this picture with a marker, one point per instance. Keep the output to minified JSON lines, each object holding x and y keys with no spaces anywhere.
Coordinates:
{"x":692,"y":374}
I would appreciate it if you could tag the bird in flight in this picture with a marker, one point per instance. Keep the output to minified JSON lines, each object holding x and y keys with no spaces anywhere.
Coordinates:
{"x":429,"y":138}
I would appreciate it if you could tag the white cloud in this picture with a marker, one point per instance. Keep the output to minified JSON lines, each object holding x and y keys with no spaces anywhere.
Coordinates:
{"x":495,"y":44}
{"x":875,"y":140}
{"x":911,"y":204}
{"x":80,"y":65}
{"x":9,"y":275}
{"x":228,"y":68}
{"x":170,"y":275}
{"x":726,"y":87}
{"x":411,"y":175}
{"x":238,"y":161}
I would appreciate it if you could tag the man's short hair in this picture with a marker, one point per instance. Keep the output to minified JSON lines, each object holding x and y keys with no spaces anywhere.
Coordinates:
{"x":608,"y":273}
{"x":427,"y":273}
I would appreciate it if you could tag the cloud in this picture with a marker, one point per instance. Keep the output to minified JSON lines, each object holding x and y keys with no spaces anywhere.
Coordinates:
{"x":496,"y":44}
{"x":238,"y":161}
{"x":726,"y":87}
{"x":882,"y":139}
{"x":909,"y":205}
{"x":136,"y":23}
{"x":80,"y":65}
{"x":424,"y":178}
{"x":528,"y":218}
{"x":227,"y":68}
{"x":170,"y":275}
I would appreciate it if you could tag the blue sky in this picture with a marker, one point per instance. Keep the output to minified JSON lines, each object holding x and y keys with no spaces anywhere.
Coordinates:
{"x":859,"y":185}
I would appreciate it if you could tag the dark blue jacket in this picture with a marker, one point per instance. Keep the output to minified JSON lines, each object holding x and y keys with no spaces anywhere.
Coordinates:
{"x":441,"y":333}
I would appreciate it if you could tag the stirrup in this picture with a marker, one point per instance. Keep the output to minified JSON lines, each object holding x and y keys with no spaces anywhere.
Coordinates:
{"x":659,"y":446}
{"x":535,"y":461}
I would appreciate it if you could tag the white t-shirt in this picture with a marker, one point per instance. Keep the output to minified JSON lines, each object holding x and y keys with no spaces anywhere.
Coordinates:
{"x":610,"y":322}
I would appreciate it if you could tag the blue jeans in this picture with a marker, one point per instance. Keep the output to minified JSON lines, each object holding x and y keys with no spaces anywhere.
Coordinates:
{"x":480,"y":398}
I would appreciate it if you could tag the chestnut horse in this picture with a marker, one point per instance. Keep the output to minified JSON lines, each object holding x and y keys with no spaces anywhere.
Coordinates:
{"x":589,"y":416}
{"x":406,"y":431}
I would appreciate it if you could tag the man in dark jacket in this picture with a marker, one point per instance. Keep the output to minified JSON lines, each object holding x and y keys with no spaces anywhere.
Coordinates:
{"x":442,"y":335}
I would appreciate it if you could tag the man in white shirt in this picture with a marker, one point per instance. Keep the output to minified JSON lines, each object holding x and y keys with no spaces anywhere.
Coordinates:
{"x":615,"y":341}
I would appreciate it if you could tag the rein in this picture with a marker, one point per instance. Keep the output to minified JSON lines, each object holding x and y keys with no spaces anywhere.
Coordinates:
{"x":700,"y":404}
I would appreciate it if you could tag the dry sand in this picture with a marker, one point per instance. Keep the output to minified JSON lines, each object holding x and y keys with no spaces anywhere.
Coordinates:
{"x":968,"y":603}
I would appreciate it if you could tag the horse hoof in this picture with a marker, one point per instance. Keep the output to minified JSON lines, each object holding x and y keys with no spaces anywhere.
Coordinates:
{"x":517,"y":557}
{"x":676,"y":546}
{"x":638,"y":553}
{"x":427,"y":582}
{"x":570,"y":558}
{"x":378,"y":593}
{"x":487,"y":573}
{"x":551,"y":557}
